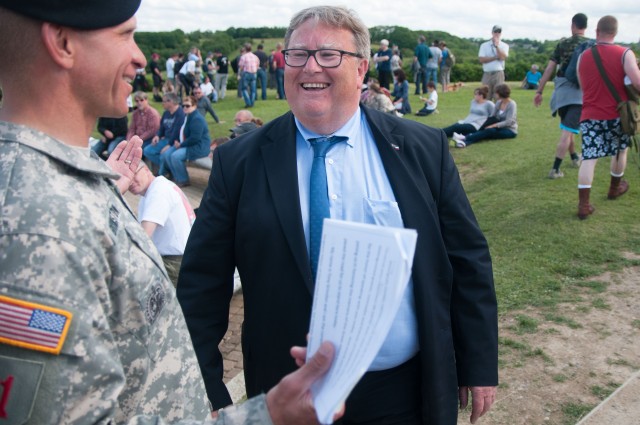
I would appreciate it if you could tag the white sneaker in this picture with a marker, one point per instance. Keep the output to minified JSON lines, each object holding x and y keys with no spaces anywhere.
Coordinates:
{"x":458,"y":137}
{"x":553,"y":174}
{"x":460,"y":144}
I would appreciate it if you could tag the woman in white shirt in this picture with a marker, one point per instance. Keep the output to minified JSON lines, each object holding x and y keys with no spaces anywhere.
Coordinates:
{"x":480,"y":110}
{"x":502,"y":124}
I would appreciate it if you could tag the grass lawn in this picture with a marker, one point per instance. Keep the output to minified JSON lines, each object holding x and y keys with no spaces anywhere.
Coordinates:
{"x":543,"y":255}
{"x":541,"y":251}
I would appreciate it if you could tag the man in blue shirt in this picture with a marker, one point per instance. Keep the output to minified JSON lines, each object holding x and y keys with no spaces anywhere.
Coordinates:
{"x":382,"y":170}
{"x":421,"y":55}
{"x":532,"y":78}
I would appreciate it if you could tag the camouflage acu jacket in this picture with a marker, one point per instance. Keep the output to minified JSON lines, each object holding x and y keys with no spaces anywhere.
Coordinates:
{"x":91,"y":331}
{"x":563,"y":51}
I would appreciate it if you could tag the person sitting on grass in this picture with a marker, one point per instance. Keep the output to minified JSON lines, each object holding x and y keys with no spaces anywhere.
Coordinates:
{"x":502,"y":124}
{"x":401,"y":93}
{"x":430,"y":102}
{"x":377,"y":99}
{"x":479,"y":111}
{"x":531,"y":80}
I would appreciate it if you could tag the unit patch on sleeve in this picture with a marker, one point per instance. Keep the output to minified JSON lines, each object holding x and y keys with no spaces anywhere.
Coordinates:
{"x":33,"y":326}
{"x":19,"y":384}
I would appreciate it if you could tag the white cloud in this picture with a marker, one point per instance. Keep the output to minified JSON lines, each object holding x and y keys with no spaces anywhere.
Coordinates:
{"x":541,"y":20}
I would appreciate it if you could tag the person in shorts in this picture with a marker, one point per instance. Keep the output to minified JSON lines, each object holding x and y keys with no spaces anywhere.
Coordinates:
{"x":600,"y":123}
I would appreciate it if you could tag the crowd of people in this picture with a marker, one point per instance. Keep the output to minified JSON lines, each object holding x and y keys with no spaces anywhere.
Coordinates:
{"x":126,"y":313}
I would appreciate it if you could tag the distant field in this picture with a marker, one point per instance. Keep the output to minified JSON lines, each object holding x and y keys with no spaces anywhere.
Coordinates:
{"x":541,"y":251}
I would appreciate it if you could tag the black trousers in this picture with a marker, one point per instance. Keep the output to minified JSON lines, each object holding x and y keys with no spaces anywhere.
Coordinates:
{"x":386,"y":397}
{"x":384,"y":78}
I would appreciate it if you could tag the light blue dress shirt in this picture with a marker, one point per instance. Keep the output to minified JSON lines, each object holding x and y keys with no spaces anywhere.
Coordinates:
{"x":359,"y":191}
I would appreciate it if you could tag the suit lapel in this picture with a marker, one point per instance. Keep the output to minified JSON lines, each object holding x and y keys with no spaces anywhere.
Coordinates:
{"x":282,"y":174}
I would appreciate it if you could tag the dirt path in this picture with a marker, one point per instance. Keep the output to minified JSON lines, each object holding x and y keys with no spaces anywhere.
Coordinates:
{"x":555,"y":367}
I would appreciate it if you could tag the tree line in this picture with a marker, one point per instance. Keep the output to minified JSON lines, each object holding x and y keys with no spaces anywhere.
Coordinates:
{"x":522,"y":52}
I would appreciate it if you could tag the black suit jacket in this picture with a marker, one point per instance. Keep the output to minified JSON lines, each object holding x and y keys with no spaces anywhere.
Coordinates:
{"x":250,"y":218}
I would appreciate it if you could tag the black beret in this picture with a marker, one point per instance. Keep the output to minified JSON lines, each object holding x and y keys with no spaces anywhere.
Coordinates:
{"x":81,"y":14}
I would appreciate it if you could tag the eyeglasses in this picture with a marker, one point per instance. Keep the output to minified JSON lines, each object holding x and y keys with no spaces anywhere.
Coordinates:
{"x":498,"y":31}
{"x":187,"y":105}
{"x":327,"y":58}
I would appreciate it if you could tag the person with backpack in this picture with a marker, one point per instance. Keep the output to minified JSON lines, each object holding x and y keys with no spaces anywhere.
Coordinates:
{"x":448,"y":60}
{"x":602,"y":70}
{"x":566,"y":99}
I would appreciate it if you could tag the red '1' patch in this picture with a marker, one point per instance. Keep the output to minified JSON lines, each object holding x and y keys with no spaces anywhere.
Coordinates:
{"x":6,"y":389}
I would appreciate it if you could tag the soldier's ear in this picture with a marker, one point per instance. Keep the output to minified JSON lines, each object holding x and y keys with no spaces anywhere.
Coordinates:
{"x":58,"y":43}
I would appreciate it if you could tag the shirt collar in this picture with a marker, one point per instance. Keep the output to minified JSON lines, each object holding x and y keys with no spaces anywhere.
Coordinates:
{"x":348,"y":130}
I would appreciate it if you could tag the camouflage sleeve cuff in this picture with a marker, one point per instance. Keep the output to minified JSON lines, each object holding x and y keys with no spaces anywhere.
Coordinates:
{"x":252,"y":411}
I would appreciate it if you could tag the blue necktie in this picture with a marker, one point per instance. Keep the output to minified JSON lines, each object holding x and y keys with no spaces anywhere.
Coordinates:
{"x":318,"y":195}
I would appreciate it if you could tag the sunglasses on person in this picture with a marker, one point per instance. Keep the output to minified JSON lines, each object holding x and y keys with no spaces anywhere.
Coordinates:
{"x":187,"y":105}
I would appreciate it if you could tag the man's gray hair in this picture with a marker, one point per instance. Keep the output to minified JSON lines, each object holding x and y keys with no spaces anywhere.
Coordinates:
{"x":172,"y":97}
{"x":334,"y":16}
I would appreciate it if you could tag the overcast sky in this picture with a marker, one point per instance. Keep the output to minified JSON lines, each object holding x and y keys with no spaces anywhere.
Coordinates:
{"x":540,"y":19}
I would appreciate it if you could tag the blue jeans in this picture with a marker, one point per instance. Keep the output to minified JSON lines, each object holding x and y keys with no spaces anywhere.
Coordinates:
{"x":463,"y":129}
{"x":101,"y":146}
{"x":152,"y":152}
{"x":164,"y":161}
{"x":249,"y":88}
{"x":146,"y":143}
{"x":177,"y":164}
{"x":421,"y":77}
{"x":262,"y":76}
{"x":280,"y":82}
{"x":432,"y":75}
{"x":240,"y":85}
{"x":489,"y":133}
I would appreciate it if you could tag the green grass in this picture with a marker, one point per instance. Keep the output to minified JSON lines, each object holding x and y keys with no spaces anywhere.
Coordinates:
{"x":604,"y":392}
{"x":562,"y":320}
{"x":526,"y":324}
{"x":575,"y":411}
{"x":542,"y":254}
{"x":559,"y":377}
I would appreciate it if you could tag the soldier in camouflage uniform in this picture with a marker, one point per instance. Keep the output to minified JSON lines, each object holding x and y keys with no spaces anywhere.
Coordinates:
{"x":567,"y":96}
{"x":90,"y":328}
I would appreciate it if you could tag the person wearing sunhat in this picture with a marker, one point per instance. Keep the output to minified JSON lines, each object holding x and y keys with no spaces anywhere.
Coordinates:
{"x":91,"y":329}
{"x":492,"y":56}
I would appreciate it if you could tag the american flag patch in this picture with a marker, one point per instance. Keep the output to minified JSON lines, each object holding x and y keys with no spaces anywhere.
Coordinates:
{"x":33,"y":326}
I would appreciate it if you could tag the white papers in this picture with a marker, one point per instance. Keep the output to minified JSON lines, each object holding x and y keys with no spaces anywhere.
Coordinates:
{"x":363,"y":271}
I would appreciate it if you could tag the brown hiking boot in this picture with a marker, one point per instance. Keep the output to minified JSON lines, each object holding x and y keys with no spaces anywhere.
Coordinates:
{"x":617,"y":188}
{"x":585,"y":209}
